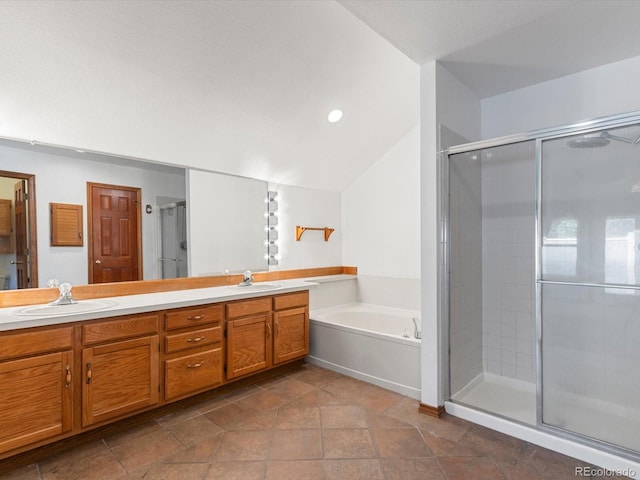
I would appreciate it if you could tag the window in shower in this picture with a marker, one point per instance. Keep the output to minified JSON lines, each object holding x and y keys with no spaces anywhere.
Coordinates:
{"x":621,"y":259}
{"x":560,"y":248}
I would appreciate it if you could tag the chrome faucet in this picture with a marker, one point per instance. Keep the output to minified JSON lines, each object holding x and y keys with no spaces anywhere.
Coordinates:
{"x":416,"y":333}
{"x":65,"y":297}
{"x":247,"y":280}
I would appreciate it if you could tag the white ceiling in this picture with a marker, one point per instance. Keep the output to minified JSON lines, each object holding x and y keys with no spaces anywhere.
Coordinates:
{"x":248,"y":84}
{"x":494,"y":46}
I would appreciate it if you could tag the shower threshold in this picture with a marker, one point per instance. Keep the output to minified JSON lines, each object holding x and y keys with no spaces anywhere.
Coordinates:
{"x":507,"y":397}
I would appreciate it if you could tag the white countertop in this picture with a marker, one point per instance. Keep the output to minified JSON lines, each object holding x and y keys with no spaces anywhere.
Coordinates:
{"x":149,"y":302}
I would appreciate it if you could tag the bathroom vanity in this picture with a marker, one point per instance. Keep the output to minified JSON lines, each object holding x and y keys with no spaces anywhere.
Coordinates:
{"x":63,"y":375}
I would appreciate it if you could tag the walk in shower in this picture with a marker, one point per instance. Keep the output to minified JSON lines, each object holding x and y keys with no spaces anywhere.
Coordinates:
{"x":173,"y":240}
{"x":543,"y":280}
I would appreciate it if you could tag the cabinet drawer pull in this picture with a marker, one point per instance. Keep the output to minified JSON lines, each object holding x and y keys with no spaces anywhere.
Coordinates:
{"x":68,"y":378}
{"x":88,"y":373}
{"x":195,"y":340}
{"x":195,"y":365}
{"x":195,"y":317}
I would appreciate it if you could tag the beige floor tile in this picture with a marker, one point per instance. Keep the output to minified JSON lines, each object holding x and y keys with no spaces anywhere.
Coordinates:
{"x":353,"y":470}
{"x":291,"y":418}
{"x":250,"y":445}
{"x":342,"y":416}
{"x":147,"y":449}
{"x":348,"y":443}
{"x":296,"y":470}
{"x":296,"y":445}
{"x":236,"y":471}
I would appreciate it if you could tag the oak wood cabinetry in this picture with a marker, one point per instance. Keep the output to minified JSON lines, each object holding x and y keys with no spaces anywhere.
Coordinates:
{"x":290,"y":326}
{"x":120,"y":376}
{"x":36,"y":388}
{"x":58,"y":381}
{"x":193,"y":350}
{"x":265,"y":332}
{"x":248,"y":336}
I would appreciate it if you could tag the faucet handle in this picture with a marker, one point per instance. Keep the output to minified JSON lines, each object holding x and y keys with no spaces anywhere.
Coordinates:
{"x":53,"y":283}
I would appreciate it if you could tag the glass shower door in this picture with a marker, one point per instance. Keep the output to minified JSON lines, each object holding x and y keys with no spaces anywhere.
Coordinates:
{"x":590,"y":285}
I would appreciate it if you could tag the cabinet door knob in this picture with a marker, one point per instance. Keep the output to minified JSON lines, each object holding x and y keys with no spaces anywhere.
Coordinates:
{"x":88,"y":373}
{"x":268,"y":329}
{"x":98,"y":262}
{"x":68,"y":377}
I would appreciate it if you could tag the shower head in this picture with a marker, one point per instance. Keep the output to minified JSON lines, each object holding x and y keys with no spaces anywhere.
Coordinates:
{"x":589,"y":140}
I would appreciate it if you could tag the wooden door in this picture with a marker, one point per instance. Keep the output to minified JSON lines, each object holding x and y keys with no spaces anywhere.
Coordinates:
{"x":22,"y":240}
{"x":119,"y":378}
{"x":248,"y":345}
{"x":290,"y":334}
{"x":115,"y":237}
{"x":36,"y":395}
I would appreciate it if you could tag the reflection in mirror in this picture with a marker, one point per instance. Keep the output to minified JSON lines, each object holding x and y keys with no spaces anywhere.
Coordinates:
{"x":226,"y":223}
{"x":61,"y":175}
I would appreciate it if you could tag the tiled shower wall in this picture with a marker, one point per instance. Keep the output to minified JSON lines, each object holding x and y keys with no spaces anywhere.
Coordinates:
{"x":465,"y":291}
{"x":508,"y":267}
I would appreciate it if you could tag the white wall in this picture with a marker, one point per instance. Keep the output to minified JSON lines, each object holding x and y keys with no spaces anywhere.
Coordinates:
{"x":605,"y":90}
{"x":431,"y":328}
{"x":381,"y":214}
{"x":308,"y":208}
{"x":62,"y":179}
{"x":381,"y":223}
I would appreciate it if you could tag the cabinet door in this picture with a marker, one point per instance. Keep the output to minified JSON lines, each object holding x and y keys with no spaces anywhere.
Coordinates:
{"x":248,"y":345}
{"x":119,"y":378}
{"x":36,"y":397}
{"x":291,"y":334}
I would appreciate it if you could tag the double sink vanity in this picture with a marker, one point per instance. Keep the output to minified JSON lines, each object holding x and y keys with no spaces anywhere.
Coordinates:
{"x":69,"y":368}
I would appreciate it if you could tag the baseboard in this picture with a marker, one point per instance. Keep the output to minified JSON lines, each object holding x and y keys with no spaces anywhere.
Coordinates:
{"x":431,"y":411}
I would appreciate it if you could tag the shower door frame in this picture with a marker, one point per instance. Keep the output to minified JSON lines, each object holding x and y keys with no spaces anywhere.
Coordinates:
{"x":583,"y":127}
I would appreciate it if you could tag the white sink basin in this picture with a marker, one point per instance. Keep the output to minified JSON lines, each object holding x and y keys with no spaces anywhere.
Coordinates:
{"x":83,"y":306}
{"x":257,"y":287}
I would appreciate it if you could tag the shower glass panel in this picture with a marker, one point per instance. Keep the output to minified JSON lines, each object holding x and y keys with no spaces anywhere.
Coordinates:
{"x":491,"y":280}
{"x":590,"y":285}
{"x":173,"y":240}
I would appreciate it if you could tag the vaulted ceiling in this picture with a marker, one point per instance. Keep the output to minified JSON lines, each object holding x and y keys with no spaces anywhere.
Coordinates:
{"x":245,"y":86}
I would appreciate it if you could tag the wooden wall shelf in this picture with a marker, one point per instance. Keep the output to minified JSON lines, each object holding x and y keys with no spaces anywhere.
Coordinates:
{"x":327,"y":231}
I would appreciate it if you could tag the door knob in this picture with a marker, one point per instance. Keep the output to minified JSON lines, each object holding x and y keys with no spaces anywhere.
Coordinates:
{"x":98,"y":261}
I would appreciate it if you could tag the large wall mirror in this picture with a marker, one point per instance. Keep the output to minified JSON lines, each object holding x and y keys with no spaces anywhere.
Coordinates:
{"x":191,"y":222}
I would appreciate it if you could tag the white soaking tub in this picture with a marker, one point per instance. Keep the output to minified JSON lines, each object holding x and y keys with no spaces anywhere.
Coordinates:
{"x":372,"y":343}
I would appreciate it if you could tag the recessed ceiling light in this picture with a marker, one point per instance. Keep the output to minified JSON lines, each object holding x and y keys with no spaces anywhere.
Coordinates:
{"x":334,"y":115}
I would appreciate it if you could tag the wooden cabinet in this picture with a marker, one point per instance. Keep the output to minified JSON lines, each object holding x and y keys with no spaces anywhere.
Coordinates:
{"x":290,"y":327}
{"x":119,"y":377}
{"x":62,"y":380}
{"x":193,"y":349}
{"x":36,"y":388}
{"x":6,"y":230}
{"x":249,"y":338}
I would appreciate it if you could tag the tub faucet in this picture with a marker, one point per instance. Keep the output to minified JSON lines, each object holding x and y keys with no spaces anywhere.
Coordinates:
{"x":416,"y":333}
{"x":247,"y":281}
{"x":65,"y":297}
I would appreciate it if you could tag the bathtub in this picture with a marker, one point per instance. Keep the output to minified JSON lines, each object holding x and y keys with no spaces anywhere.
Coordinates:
{"x":366,"y":342}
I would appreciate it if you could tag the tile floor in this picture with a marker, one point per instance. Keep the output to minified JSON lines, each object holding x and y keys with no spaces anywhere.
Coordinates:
{"x":306,"y":423}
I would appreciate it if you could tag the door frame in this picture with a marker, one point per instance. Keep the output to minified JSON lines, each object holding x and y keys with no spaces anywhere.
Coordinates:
{"x":90,"y":260}
{"x":33,"y":232}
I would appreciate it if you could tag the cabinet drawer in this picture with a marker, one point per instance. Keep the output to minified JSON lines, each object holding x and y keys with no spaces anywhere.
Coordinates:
{"x":40,"y":341}
{"x":117,"y":328}
{"x":291,"y":300}
{"x":248,"y":307}
{"x":194,"y":338}
{"x":188,"y":317}
{"x":192,"y":373}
